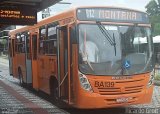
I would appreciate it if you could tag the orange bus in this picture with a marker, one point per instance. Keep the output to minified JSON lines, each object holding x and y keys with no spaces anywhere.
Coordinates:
{"x":88,"y":57}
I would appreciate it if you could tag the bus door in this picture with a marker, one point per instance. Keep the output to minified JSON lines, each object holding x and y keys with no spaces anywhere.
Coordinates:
{"x":47,"y":59}
{"x":11,"y":54}
{"x":34,"y":48}
{"x":28,"y":59}
{"x":64,"y":64}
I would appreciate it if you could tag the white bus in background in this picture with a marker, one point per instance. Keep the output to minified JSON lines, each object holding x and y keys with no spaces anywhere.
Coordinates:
{"x":143,"y":40}
{"x":156,"y":41}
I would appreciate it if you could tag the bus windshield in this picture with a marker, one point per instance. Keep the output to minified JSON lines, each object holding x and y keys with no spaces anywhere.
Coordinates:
{"x":114,"y":50}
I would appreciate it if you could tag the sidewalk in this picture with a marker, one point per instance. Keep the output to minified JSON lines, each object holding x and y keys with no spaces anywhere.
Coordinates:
{"x":4,"y":60}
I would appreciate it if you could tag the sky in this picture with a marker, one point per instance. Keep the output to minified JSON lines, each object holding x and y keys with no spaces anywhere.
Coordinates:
{"x":133,"y":4}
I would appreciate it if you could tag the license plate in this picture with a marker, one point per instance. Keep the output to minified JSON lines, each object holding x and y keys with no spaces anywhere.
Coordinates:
{"x":122,"y":100}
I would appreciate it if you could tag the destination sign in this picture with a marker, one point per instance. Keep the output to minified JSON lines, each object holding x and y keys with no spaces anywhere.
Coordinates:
{"x":111,"y":14}
{"x":22,"y":15}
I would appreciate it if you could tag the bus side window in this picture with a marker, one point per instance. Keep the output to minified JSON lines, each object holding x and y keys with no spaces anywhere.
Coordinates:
{"x":17,"y":43}
{"x":51,"y":42}
{"x":48,"y":40}
{"x":34,"y":47}
{"x":42,"y":36}
{"x":28,"y":51}
{"x":20,"y":44}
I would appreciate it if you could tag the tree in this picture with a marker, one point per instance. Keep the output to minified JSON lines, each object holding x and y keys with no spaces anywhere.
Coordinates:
{"x":153,"y":10}
{"x":156,"y":29}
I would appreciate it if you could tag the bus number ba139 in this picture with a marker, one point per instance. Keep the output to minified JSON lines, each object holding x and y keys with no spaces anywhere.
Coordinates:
{"x":103,"y":84}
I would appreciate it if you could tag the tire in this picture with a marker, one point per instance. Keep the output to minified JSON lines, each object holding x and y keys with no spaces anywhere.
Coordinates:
{"x":54,"y":89}
{"x":20,"y":75}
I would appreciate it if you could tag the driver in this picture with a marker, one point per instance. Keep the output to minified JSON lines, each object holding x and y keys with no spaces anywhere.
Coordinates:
{"x":89,"y":52}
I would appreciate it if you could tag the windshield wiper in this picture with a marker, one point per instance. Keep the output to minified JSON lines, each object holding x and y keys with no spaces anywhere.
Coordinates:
{"x":114,"y":44}
{"x":106,"y":34}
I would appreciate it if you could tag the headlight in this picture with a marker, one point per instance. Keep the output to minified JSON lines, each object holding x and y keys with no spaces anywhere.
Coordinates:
{"x":151,"y":79}
{"x":84,"y":82}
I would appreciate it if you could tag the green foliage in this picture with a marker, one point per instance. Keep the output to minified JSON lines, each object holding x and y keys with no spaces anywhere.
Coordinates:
{"x":155,"y":19}
{"x":156,"y":29}
{"x":153,"y":10}
{"x":157,"y":77}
